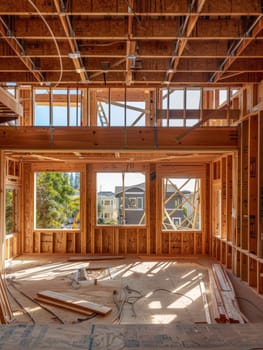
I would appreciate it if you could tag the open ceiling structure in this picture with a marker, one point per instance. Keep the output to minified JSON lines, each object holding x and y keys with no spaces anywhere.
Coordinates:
{"x":127,"y":44}
{"x":131,"y":43}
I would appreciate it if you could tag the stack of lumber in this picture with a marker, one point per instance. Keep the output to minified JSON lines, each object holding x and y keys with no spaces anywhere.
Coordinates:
{"x":6,"y":314}
{"x":224,"y":302}
{"x":71,"y":303}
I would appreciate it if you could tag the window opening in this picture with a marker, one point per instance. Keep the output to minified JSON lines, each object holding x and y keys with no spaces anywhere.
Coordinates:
{"x":10,"y":211}
{"x":120,"y":198}
{"x":58,"y":107}
{"x":181,"y":204}
{"x":57,"y":202}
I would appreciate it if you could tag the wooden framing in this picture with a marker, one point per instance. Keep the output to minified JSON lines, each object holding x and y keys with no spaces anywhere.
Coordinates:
{"x":10,"y":108}
{"x":117,"y":138}
{"x":2,"y":208}
{"x":51,"y":241}
{"x":124,"y":52}
{"x":96,"y":239}
{"x":226,"y":159}
{"x":241,"y":248}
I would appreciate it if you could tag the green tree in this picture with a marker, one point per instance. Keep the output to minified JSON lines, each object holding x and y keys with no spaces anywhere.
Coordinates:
{"x":55,"y":200}
{"x":9,"y":212}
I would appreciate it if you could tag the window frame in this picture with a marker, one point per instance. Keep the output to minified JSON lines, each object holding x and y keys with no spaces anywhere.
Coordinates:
{"x":168,"y":211}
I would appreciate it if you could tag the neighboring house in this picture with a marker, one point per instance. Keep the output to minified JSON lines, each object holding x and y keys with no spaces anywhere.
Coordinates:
{"x":179,"y":210}
{"x":133,"y":211}
{"x":106,"y":206}
{"x":175,"y":212}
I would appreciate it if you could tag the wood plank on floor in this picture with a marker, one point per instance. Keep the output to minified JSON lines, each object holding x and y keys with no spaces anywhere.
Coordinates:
{"x":94,"y":257}
{"x":71,"y":302}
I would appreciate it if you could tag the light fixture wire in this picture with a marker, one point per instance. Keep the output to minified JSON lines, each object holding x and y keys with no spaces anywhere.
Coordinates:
{"x":53,"y":37}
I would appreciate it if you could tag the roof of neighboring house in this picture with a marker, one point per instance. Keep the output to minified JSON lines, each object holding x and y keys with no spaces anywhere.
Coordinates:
{"x":135,"y":188}
{"x":141,"y":187}
{"x":105,"y":194}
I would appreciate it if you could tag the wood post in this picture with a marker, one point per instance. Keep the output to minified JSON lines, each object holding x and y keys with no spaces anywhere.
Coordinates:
{"x":2,"y":210}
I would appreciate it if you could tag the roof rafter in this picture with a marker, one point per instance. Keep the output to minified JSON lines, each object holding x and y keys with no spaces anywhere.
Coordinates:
{"x":19,"y":50}
{"x":188,"y":28}
{"x":65,"y":21}
{"x":239,"y":48}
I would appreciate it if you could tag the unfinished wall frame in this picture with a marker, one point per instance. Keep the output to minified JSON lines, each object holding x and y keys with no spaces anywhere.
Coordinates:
{"x":97,"y":239}
{"x":12,"y":183}
{"x":58,"y":241}
{"x":240,"y":248}
{"x":116,"y":239}
{"x":192,"y":242}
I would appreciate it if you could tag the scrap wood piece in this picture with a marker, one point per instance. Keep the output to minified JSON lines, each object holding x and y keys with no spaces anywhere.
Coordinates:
{"x":62,"y":305}
{"x":79,"y":305}
{"x":221,"y":279}
{"x":228,"y":295}
{"x":223,"y":287}
{"x":217,"y":302}
{"x":205,"y":302}
{"x":6,"y":314}
{"x":93,"y":257}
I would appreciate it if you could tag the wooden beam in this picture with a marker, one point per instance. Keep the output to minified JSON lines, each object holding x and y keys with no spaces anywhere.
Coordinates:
{"x":2,"y":210}
{"x":119,"y":8}
{"x":10,"y":102}
{"x":196,"y":113}
{"x":19,"y":50}
{"x":96,"y":138}
{"x":66,"y":25}
{"x":4,"y":119}
{"x":189,"y":25}
{"x":238,"y":48}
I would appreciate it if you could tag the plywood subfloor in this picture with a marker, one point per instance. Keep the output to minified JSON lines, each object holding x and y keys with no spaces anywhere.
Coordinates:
{"x":168,"y":315}
{"x":139,"y":292}
{"x":132,"y":337}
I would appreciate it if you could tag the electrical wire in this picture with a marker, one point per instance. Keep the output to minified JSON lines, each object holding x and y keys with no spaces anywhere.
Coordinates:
{"x":12,"y":283}
{"x":119,"y":305}
{"x":25,"y":312}
{"x":250,"y":302}
{"x":53,"y":37}
{"x":102,"y":44}
{"x":175,"y":293}
{"x":94,"y":314}
{"x":134,"y":298}
{"x":126,"y":299}
{"x":130,"y":8}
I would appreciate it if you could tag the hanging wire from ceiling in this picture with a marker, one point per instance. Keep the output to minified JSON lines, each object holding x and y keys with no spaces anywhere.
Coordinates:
{"x":54,"y":39}
{"x":131,"y":9}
